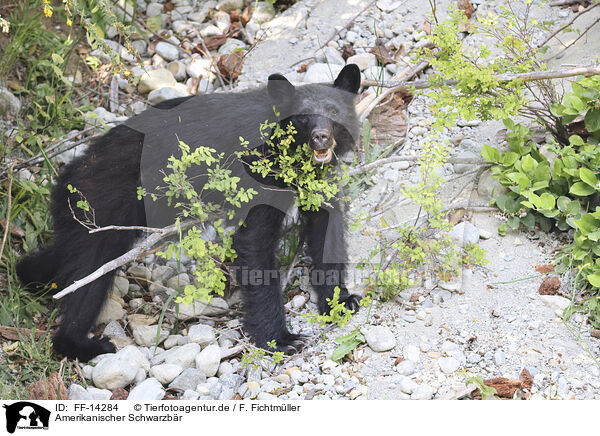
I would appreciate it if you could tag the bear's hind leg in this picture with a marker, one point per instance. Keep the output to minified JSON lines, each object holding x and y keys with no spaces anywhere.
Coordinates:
{"x":39,"y":268}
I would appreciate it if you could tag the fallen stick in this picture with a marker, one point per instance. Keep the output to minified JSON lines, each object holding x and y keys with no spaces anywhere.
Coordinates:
{"x":567,"y":24}
{"x":377,"y":163}
{"x":15,"y":334}
{"x":125,"y":258}
{"x":590,"y":70}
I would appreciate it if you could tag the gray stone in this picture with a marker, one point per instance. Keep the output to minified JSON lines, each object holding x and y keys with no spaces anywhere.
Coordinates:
{"x":188,"y":379}
{"x":148,"y":390}
{"x":177,"y":68}
{"x":330,"y":55}
{"x":166,"y":372}
{"x":155,"y":79}
{"x":377,"y":74}
{"x":222,"y":21}
{"x":499,"y":357}
{"x":167,"y":51}
{"x":406,"y":367}
{"x":111,"y":310}
{"x":178,"y":282}
{"x":464,"y":233}
{"x":231,"y":45}
{"x":140,"y":46}
{"x":168,"y":93}
{"x":210,"y":30}
{"x":162,"y":273}
{"x":200,"y":67}
{"x":380,"y":338}
{"x":407,"y":385}
{"x":555,"y":302}
{"x":118,"y":370}
{"x":263,"y":12}
{"x":320,"y":73}
{"x":463,"y":168}
{"x":190,"y":394}
{"x":230,"y":5}
{"x":448,"y":365}
{"x":120,"y":286}
{"x":78,"y":393}
{"x":202,"y":334}
{"x":9,"y":104}
{"x":117,"y":48}
{"x":145,"y":335}
{"x":99,"y":394}
{"x":422,"y":392}
{"x":114,"y":329}
{"x":363,"y":60}
{"x":183,"y":355}
{"x":489,"y":187}
{"x":208,"y":360}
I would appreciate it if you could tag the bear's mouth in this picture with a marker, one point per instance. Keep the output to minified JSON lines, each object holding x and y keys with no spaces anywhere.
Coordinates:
{"x":322,"y":156}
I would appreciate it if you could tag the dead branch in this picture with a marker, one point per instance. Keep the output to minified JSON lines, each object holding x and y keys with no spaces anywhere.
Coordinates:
{"x":590,"y":70}
{"x":378,"y":163}
{"x":8,"y":210}
{"x":568,"y":23}
{"x":15,"y":334}
{"x":566,"y":47}
{"x":125,"y":258}
{"x":137,"y":228}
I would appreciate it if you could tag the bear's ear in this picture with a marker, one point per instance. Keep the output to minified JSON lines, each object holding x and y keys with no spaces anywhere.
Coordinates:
{"x":279,"y":88}
{"x":348,"y":79}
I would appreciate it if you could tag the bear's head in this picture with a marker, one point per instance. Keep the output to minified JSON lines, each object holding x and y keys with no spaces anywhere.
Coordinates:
{"x":323,"y":115}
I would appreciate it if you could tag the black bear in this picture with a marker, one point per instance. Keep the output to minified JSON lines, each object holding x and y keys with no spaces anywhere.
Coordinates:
{"x":135,"y":154}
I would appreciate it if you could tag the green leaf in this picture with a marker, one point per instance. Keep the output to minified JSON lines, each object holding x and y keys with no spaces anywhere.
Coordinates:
{"x":490,"y":154}
{"x":576,"y":140}
{"x":528,"y":163}
{"x":562,"y":203}
{"x":588,"y":176}
{"x":594,"y":279}
{"x":547,"y":201}
{"x":581,"y":189}
{"x":592,"y":120}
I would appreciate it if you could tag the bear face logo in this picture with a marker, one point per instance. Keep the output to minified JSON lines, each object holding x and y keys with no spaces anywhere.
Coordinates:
{"x":26,"y":415}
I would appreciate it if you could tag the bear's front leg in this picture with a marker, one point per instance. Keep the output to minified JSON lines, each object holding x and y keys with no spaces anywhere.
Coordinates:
{"x":257,"y":273}
{"x":324,"y":235}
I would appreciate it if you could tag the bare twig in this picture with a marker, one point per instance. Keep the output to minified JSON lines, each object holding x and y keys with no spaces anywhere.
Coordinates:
{"x":378,"y":163}
{"x":137,"y":228}
{"x":8,"y":209}
{"x":125,"y":258}
{"x":567,"y":24}
{"x":566,"y":47}
{"x":590,"y":70}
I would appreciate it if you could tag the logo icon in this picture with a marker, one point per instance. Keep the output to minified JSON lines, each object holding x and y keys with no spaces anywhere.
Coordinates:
{"x":26,"y":415}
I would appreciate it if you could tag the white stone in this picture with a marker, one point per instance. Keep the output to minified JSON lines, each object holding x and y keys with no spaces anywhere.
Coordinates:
{"x":155,"y":79}
{"x":412,"y":353}
{"x":183,"y":355}
{"x":119,"y":370}
{"x":202,"y":334}
{"x":145,"y":335}
{"x":167,"y":51}
{"x":208,"y":360}
{"x":362,"y":60}
{"x":380,"y":338}
{"x":320,"y":73}
{"x":464,"y":233}
{"x":148,"y":390}
{"x":166,"y":372}
{"x":555,"y":302}
{"x":422,"y":392}
{"x":99,"y":394}
{"x":448,"y":365}
{"x":168,"y":93}
{"x":200,"y":67}
{"x":78,"y":392}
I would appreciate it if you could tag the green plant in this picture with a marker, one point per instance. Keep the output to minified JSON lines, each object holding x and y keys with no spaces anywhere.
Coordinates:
{"x":257,"y":358}
{"x":338,"y":314}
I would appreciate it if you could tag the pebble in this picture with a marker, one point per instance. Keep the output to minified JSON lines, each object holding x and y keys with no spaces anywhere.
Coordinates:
{"x":380,"y":338}
{"x":464,"y":233}
{"x":167,"y":51}
{"x":412,"y":353}
{"x":166,"y":372}
{"x":202,"y":334}
{"x":145,"y":335}
{"x":422,"y":392}
{"x":188,"y":379}
{"x":448,"y":365}
{"x":499,"y":357}
{"x":208,"y":360}
{"x":406,"y":367}
{"x":320,"y":73}
{"x":148,"y":390}
{"x":118,"y":370}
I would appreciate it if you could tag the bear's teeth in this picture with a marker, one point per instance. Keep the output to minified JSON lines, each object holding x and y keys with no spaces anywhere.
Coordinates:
{"x":322,"y":156}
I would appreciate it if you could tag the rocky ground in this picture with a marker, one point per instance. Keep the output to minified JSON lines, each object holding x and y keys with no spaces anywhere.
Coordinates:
{"x":490,"y":323}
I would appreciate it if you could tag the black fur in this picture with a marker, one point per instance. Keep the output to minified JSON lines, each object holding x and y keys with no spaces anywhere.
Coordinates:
{"x":109,"y":174}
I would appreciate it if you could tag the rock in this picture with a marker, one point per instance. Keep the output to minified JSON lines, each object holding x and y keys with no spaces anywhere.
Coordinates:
{"x":217,"y":307}
{"x":320,"y":73}
{"x":202,"y":334}
{"x":167,"y":51}
{"x":117,"y":48}
{"x":140,"y":46}
{"x":263,"y":12}
{"x":179,"y":281}
{"x":111,"y":310}
{"x":463,"y":168}
{"x":177,"y":68}
{"x":380,"y":338}
{"x":190,"y":394}
{"x":412,"y":353}
{"x":154,"y":9}
{"x":140,"y":272}
{"x":168,"y":93}
{"x":210,"y":30}
{"x":145,"y":335}
{"x":377,"y":74}
{"x":330,"y":55}
{"x":231,"y":45}
{"x":422,"y":392}
{"x":406,"y":367}
{"x":448,"y":365}
{"x":114,"y":329}
{"x":389,"y":5}
{"x":162,"y":273}
{"x":101,"y":116}
{"x":99,"y":394}
{"x":407,"y":385}
{"x":358,"y":391}
{"x":155,"y":79}
{"x":555,"y":302}
{"x":489,"y":187}
{"x":183,"y":355}
{"x":230,"y":5}
{"x":118,"y":370}
{"x":499,"y":357}
{"x":188,"y":379}
{"x":166,"y":372}
{"x":208,"y":360}
{"x":120,"y":286}
{"x":9,"y":104}
{"x":222,"y":21}
{"x":298,"y":301}
{"x":363,"y":60}
{"x":78,"y":392}
{"x":148,"y":390}
{"x":464,"y":233}
{"x":200,"y":67}
{"x":225,"y":368}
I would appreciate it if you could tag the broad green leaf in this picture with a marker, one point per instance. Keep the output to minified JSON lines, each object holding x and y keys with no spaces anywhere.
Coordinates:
{"x":581,"y":189}
{"x":490,"y":154}
{"x":588,"y":177}
{"x":592,"y":120}
{"x":594,"y":279}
